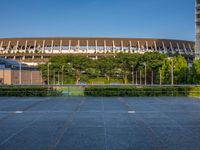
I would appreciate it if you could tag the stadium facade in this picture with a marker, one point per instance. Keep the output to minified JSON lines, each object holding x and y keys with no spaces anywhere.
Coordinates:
{"x":40,"y":49}
{"x":197,"y":45}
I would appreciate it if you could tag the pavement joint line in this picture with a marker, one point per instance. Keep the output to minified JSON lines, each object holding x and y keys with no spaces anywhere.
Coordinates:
{"x":147,"y":128}
{"x":18,"y":132}
{"x":181,"y":126}
{"x":25,"y":109}
{"x":104,"y":124}
{"x":32,"y":105}
{"x":64,"y":128}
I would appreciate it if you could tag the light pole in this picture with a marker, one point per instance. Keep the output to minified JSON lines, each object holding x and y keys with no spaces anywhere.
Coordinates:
{"x":140,"y":77}
{"x":31,"y":77}
{"x":48,"y":73}
{"x":54,"y":77}
{"x":62,"y":74}
{"x":152,"y":77}
{"x":136,"y":77}
{"x":172,"y":72}
{"x":58,"y":78}
{"x":132,"y":74}
{"x":20,"y":73}
{"x":160,"y":76}
{"x":145,"y":74}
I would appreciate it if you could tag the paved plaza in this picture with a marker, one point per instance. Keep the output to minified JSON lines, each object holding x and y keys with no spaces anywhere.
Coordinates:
{"x":117,"y":123}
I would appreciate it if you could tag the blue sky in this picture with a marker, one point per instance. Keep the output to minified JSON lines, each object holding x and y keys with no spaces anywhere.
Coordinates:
{"x":98,"y":18}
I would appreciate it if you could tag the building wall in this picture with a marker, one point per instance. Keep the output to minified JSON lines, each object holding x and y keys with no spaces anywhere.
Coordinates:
{"x":197,"y":44}
{"x":13,"y":77}
{"x":5,"y":76}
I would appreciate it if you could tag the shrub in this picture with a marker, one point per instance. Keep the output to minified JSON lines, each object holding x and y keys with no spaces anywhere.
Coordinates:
{"x":141,"y":91}
{"x":28,"y":91}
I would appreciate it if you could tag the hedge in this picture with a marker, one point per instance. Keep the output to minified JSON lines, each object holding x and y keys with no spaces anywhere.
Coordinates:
{"x":28,"y":91}
{"x":142,"y":91}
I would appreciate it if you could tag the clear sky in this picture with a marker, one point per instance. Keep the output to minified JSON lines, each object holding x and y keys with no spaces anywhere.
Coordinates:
{"x":98,"y":18}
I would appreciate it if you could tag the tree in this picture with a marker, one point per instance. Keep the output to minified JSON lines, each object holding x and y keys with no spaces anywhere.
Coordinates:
{"x":106,"y":66}
{"x":127,"y":62}
{"x":180,"y":70}
{"x":154,"y":62}
{"x":195,"y":72}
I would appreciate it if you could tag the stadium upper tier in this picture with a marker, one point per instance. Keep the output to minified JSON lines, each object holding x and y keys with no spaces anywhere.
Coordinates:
{"x":94,"y":45}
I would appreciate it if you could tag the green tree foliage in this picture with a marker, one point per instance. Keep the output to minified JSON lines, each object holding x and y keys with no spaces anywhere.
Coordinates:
{"x":125,"y":64}
{"x":195,"y":72}
{"x":108,"y":69}
{"x":180,"y":70}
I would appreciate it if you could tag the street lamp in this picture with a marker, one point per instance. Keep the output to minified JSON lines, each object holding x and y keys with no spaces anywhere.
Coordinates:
{"x":145,"y":74}
{"x":58,"y":78}
{"x":20,"y":73}
{"x":136,"y":77}
{"x":54,"y":77}
{"x":140,"y":77}
{"x":48,"y":73}
{"x":62,"y":73}
{"x":160,"y":76}
{"x":152,"y":77}
{"x":172,"y":72}
{"x":31,"y":77}
{"x":132,"y":74}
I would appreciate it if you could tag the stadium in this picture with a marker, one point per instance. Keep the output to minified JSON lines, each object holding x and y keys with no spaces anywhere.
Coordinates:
{"x":38,"y":50}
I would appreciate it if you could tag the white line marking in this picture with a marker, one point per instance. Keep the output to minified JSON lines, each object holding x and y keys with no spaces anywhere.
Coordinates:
{"x":18,"y":112}
{"x":131,"y":112}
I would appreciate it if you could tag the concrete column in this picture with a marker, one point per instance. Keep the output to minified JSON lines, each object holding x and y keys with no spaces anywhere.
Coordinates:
{"x":60,"y":46}
{"x":113,"y":44}
{"x":69,"y":46}
{"x":43,"y":46}
{"x":26,"y":43}
{"x":87,"y":43}
{"x":8,"y":47}
{"x":14,"y":57}
{"x":130,"y":47}
{"x":172,"y":49}
{"x":155,"y":46}
{"x":163,"y":44}
{"x":52,"y":42}
{"x":1,"y":46}
{"x":35,"y":43}
{"x":96,"y":45}
{"x":178,"y":48}
{"x":139,"y":46}
{"x":105,"y":48}
{"x":191,"y":52}
{"x":122,"y":46}
{"x":78,"y":45}
{"x":16,"y":47}
{"x":184,"y":48}
{"x":147,"y":46}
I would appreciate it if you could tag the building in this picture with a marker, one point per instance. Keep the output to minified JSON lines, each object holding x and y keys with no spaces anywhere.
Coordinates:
{"x":12,"y":72}
{"x":38,"y":50}
{"x":197,"y":44}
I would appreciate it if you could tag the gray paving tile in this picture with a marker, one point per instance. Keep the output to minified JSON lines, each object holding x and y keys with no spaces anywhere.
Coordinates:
{"x":83,"y":139}
{"x":102,"y":123}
